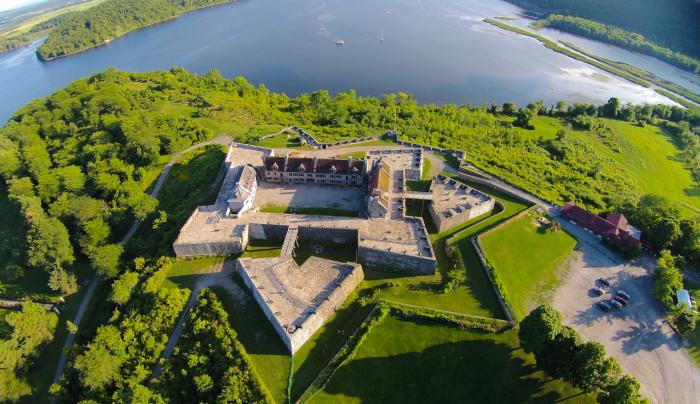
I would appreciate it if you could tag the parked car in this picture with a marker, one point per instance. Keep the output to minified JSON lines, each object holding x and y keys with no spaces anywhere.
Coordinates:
{"x":614,"y":303}
{"x":603,"y":305}
{"x":624,"y":295}
{"x":604,"y":282}
{"x":622,"y":300}
{"x":597,"y":291}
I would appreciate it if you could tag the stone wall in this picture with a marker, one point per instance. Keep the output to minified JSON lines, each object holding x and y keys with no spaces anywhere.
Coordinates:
{"x":319,"y":234}
{"x":388,"y":260}
{"x":293,"y":341}
{"x":265,"y":308}
{"x":329,"y":306}
{"x":444,"y":223}
{"x":269,"y":232}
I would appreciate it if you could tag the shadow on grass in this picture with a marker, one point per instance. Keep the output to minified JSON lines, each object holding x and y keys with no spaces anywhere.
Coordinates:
{"x":480,"y":370}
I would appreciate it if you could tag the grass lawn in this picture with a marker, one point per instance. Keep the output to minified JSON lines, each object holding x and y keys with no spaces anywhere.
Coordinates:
{"x":358,"y":155}
{"x":282,"y":141}
{"x":651,"y":158}
{"x":271,"y":208}
{"x":546,"y":127}
{"x":476,"y":296}
{"x":419,"y":362}
{"x":184,"y":273}
{"x":427,"y":165}
{"x":419,"y":186}
{"x":263,"y":249}
{"x":270,"y":358}
{"x":526,"y":258}
{"x":694,"y":337}
{"x":380,"y":142}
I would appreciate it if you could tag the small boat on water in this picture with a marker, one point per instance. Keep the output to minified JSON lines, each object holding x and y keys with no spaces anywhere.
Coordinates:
{"x":382,"y":38}
{"x":323,"y":29}
{"x":340,"y":42}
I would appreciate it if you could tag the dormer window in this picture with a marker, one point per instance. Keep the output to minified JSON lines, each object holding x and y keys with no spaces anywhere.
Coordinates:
{"x":355,"y":170}
{"x":333,"y":169}
{"x":275,"y":167}
{"x":302,"y":168}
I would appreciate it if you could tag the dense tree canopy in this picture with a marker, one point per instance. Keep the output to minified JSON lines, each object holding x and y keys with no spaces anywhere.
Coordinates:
{"x":83,"y":30}
{"x":671,"y":23}
{"x":622,"y":38}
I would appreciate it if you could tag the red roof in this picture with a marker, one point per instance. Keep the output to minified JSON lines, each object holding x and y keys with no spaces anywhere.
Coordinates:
{"x":615,"y":228}
{"x":619,"y":220}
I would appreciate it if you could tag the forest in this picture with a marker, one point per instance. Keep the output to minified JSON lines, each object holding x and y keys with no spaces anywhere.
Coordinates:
{"x":670,"y":23}
{"x":110,"y":20}
{"x":616,"y":36}
{"x":77,"y":167}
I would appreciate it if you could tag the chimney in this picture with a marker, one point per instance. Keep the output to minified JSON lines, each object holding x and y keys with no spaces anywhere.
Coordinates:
{"x":286,"y":159}
{"x":315,"y":160}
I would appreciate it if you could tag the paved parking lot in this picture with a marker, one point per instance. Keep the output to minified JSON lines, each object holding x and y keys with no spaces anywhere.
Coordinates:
{"x":637,"y":335}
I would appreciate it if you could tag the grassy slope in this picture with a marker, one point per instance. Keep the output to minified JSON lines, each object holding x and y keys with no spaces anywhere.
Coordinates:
{"x":526,"y":259}
{"x":419,"y":362}
{"x":650,"y":156}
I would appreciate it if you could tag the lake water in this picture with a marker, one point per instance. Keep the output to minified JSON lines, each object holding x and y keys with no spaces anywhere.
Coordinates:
{"x":438,"y":50}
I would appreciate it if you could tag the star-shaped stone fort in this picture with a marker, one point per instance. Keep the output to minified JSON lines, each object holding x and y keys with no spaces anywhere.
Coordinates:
{"x":297,"y":299}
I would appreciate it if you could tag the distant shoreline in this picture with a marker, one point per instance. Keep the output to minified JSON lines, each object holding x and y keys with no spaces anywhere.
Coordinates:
{"x":108,"y":41}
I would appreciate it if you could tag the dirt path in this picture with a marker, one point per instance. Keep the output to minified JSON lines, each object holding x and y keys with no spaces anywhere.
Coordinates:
{"x":220,"y":276}
{"x":63,"y":360}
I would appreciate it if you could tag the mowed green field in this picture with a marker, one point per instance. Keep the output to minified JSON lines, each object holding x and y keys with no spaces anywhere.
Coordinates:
{"x":651,"y":158}
{"x":527,"y":258}
{"x":403,"y":361}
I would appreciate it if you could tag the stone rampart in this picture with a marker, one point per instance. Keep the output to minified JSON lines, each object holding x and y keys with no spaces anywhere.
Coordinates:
{"x":268,"y":232}
{"x":330,"y":304}
{"x":322,"y":234}
{"x":395,"y":260}
{"x":264,"y":307}
{"x":444,"y":223}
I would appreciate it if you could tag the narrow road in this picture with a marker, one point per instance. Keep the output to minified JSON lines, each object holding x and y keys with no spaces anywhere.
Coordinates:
{"x":220,"y":275}
{"x":63,"y":360}
{"x":638,"y":336}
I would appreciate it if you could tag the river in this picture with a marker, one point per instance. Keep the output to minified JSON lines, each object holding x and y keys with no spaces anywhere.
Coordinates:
{"x":439,"y":51}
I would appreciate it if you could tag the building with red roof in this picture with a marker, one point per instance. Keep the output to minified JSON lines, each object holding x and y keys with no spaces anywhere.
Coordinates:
{"x":614,"y":228}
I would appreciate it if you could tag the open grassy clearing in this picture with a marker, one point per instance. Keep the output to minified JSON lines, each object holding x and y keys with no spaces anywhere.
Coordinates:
{"x":475,"y":296}
{"x":427,"y":165}
{"x":546,"y":128}
{"x":652,"y":160}
{"x":263,"y":249}
{"x":282,"y":141}
{"x":184,"y":273}
{"x":418,"y":362}
{"x":379,"y":142}
{"x":526,"y":258}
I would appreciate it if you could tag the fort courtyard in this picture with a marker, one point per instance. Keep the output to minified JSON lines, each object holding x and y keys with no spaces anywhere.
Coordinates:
{"x":343,"y":201}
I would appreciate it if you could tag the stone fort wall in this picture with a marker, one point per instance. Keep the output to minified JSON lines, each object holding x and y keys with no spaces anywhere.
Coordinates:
{"x":383,"y":259}
{"x":445,"y":223}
